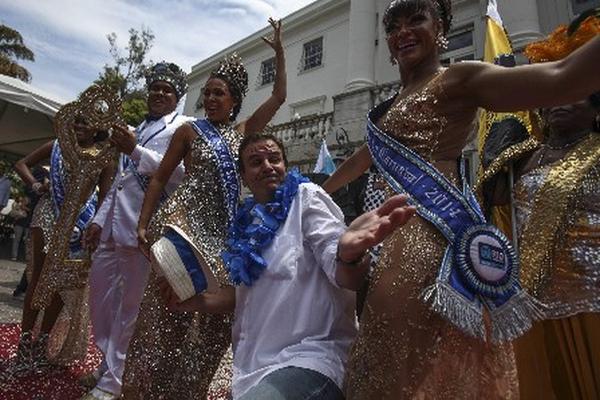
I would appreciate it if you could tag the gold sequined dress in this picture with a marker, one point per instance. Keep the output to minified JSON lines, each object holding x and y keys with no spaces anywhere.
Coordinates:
{"x":175,"y":355}
{"x":560,"y":357}
{"x":404,"y":350}
{"x":69,"y":337}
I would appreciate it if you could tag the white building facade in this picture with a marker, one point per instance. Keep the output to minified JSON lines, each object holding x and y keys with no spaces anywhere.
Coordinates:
{"x":338,"y":65}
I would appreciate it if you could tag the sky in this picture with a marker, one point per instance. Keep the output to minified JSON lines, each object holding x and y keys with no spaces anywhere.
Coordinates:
{"x":68,"y":37}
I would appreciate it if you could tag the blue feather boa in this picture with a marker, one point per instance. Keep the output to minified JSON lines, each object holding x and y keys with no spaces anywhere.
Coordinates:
{"x":254,"y":228}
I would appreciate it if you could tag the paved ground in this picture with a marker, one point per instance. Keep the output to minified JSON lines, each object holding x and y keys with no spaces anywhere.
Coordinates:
{"x":10,"y":307}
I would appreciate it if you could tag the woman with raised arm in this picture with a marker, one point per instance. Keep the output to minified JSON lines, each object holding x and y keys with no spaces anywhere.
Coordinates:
{"x":174,"y":355}
{"x":407,"y":349}
{"x":32,"y":354}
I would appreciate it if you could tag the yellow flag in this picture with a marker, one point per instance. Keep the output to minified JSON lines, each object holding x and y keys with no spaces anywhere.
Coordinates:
{"x":496,"y":40}
{"x":497,"y":44}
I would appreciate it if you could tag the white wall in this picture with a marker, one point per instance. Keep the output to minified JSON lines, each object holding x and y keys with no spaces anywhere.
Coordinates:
{"x":524,"y":19}
{"x":326,"y":80}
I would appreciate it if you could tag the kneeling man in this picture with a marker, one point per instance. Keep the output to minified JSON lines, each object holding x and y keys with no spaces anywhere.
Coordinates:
{"x":292,"y":260}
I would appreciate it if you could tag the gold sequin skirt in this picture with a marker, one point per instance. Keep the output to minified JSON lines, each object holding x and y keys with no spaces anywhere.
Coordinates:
{"x":406,"y":351}
{"x":175,"y":355}
{"x":69,"y":337}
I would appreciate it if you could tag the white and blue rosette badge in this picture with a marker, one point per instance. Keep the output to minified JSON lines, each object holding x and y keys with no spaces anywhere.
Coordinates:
{"x":479,"y":268}
{"x":487,"y":261}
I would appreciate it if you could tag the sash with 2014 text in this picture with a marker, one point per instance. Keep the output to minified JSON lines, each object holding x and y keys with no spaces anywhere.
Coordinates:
{"x":479,"y":267}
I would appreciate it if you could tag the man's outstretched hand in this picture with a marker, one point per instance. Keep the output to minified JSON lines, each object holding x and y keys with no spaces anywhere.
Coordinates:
{"x":373,"y":227}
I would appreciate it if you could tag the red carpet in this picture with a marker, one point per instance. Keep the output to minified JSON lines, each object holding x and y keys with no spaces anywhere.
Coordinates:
{"x":58,"y":383}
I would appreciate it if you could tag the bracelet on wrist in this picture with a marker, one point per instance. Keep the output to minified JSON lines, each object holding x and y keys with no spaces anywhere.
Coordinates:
{"x":352,"y":263}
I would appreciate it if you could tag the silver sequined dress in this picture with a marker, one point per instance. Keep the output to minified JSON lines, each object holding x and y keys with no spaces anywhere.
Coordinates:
{"x":175,"y":355}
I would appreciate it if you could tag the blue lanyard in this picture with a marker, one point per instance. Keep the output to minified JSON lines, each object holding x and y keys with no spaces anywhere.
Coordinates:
{"x":126,"y":160}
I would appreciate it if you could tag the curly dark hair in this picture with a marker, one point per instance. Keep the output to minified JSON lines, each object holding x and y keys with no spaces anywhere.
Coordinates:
{"x":441,"y":9}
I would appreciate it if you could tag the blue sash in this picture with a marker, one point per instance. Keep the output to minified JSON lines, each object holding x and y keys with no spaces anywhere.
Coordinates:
{"x":227,"y":164}
{"x":479,"y":267}
{"x":57,"y":190}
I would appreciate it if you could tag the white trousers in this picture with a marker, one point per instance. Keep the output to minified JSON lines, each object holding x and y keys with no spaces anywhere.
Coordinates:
{"x":118,"y":278}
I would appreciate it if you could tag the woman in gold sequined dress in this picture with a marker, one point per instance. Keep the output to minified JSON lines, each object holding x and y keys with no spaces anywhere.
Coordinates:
{"x":175,"y":355}
{"x":404,"y":350}
{"x":32,"y":355}
{"x":557,"y":204}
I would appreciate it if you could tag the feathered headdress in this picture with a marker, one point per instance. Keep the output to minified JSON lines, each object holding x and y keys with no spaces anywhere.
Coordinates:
{"x":565,"y":40}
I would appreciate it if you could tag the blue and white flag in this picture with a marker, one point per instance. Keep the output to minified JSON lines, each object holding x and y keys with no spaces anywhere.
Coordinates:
{"x":325,"y":163}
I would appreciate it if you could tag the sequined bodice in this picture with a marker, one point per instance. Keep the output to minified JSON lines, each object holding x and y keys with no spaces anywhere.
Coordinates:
{"x":426,"y":123}
{"x":586,"y":203}
{"x":525,"y":190}
{"x":573,"y":285}
{"x":197,"y":206}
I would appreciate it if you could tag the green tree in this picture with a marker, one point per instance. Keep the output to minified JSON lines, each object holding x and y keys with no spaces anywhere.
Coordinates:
{"x":13,"y":49}
{"x":134,"y":111}
{"x":127,"y":71}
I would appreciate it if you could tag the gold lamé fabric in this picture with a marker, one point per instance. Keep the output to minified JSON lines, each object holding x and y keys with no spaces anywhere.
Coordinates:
{"x":69,"y":337}
{"x":404,"y":350}
{"x":176,"y":355}
{"x":550,"y":209}
{"x":572,"y":284}
{"x":560,"y":357}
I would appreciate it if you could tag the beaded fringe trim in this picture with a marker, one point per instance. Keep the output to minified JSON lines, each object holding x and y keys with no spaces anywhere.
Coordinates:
{"x":446,"y":301}
{"x":508,"y":322}
{"x":515,"y":317}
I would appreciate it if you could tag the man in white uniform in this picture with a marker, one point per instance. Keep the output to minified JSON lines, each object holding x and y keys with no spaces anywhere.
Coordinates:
{"x":294,"y":316}
{"x":119,"y":270}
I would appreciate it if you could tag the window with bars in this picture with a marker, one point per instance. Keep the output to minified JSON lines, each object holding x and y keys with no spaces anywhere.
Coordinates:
{"x":267,"y":71}
{"x":312,"y":56}
{"x":460,"y":46}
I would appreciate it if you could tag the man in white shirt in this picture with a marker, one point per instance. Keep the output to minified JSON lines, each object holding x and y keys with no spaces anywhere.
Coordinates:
{"x":294,"y":317}
{"x":119,"y":270}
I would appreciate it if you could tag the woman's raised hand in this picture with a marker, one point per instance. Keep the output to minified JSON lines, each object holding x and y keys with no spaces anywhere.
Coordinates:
{"x":275,"y":41}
